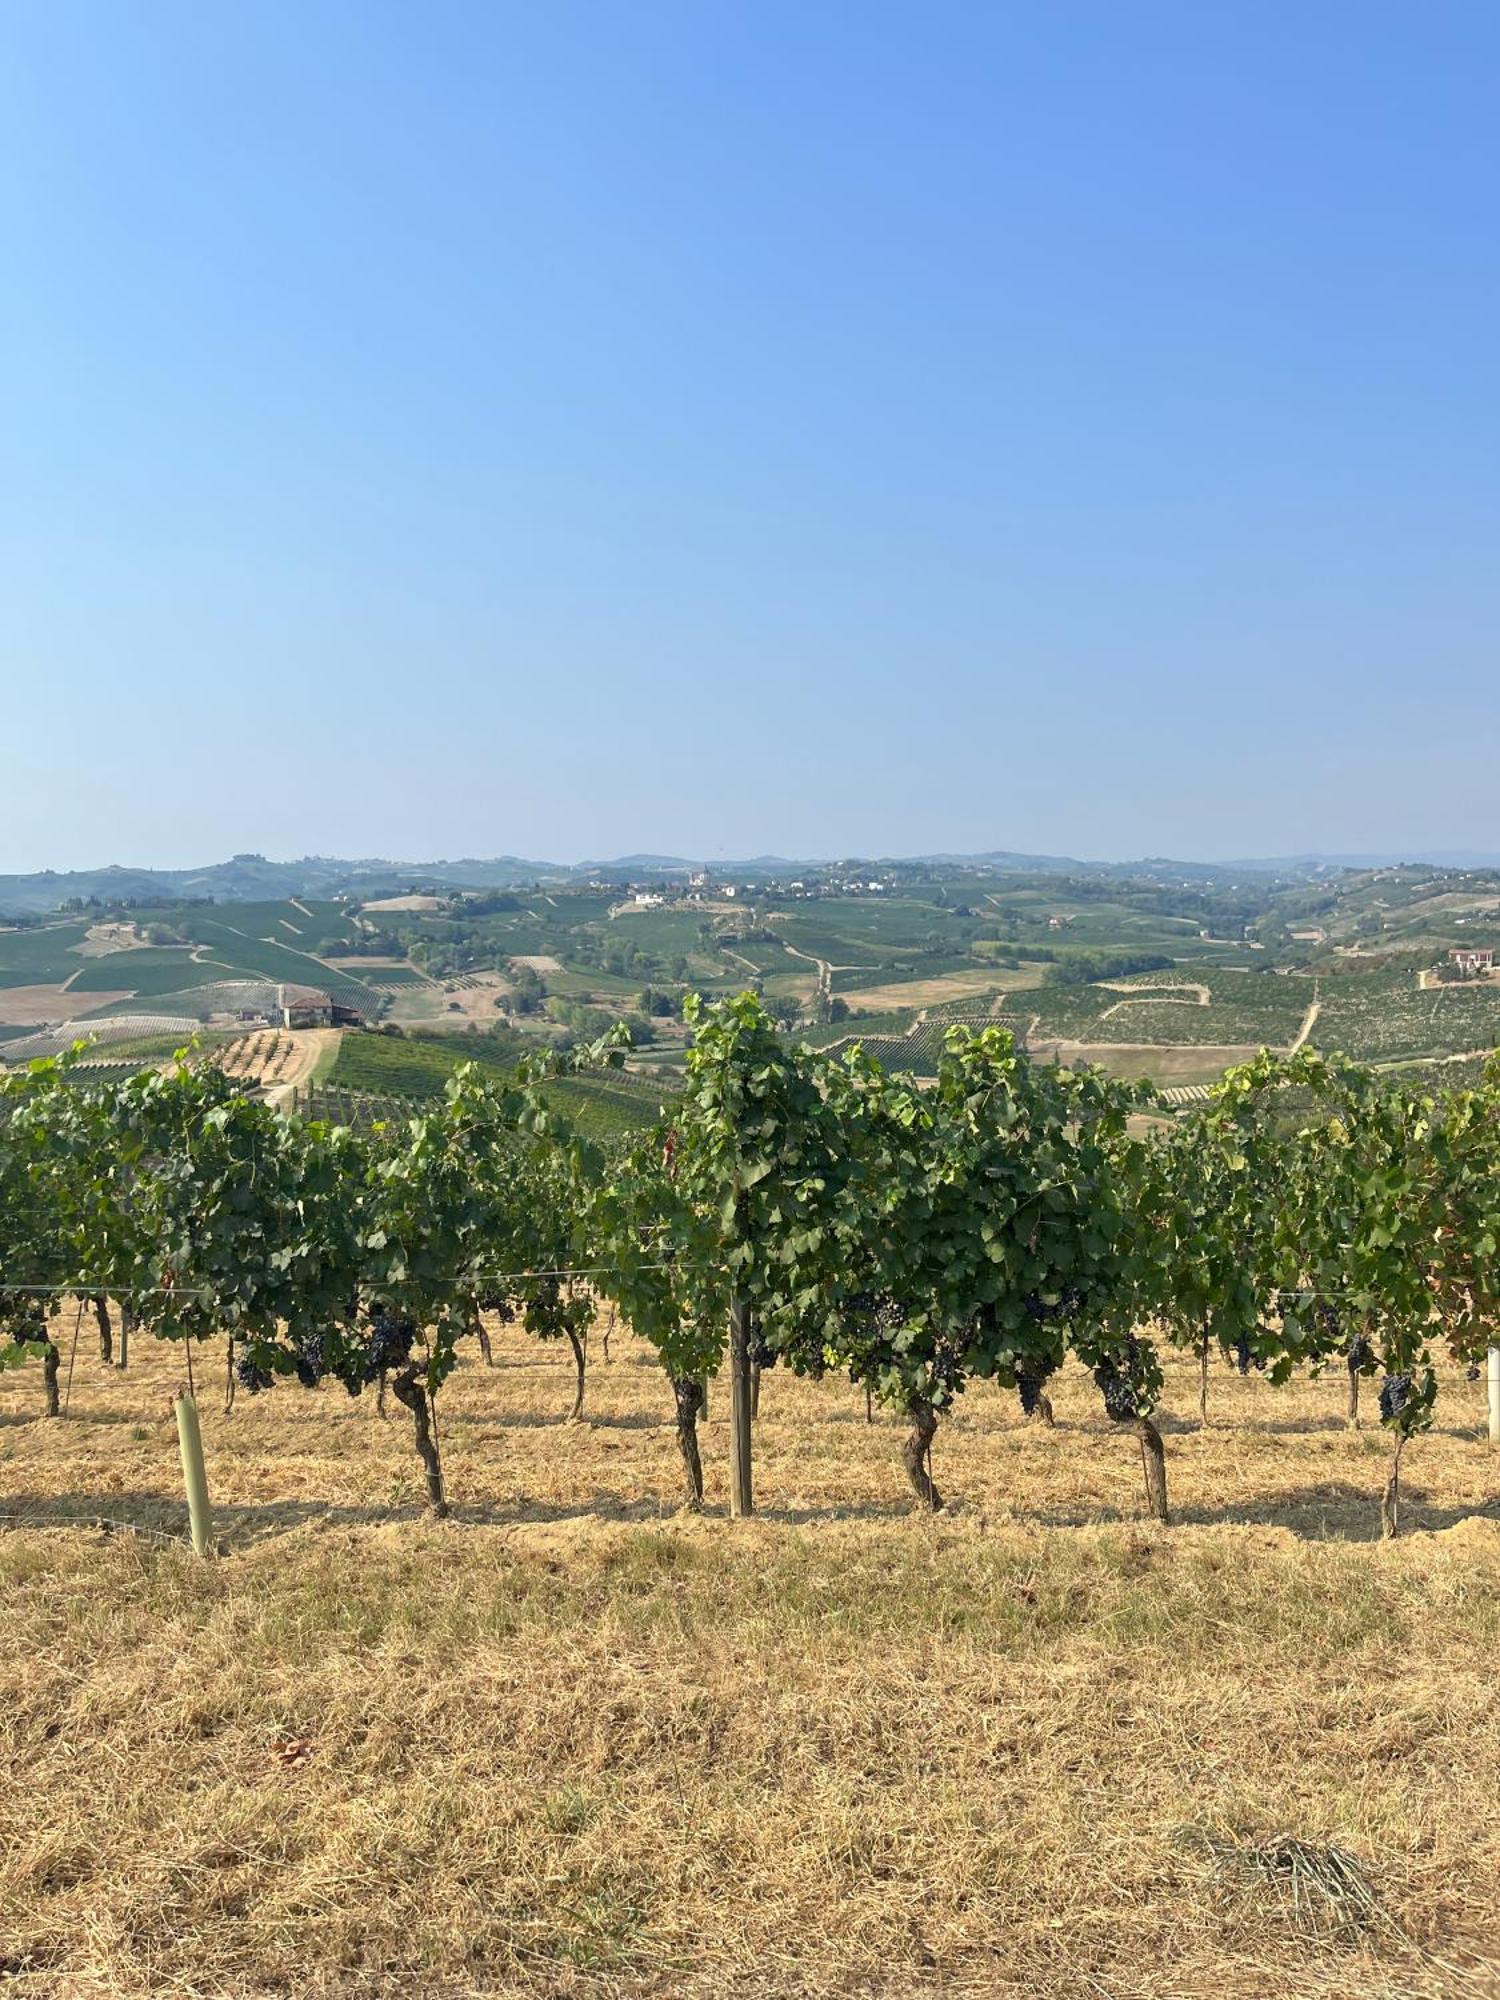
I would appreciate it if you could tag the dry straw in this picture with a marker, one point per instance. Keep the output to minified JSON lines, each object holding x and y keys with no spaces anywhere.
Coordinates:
{"x":572,"y":1743}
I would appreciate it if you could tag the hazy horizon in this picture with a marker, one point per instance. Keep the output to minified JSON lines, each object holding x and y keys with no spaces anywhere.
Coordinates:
{"x":576,"y":431}
{"x":1438,"y":855}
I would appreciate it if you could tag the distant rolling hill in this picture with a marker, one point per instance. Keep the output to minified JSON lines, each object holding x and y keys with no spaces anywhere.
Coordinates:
{"x":251,"y":878}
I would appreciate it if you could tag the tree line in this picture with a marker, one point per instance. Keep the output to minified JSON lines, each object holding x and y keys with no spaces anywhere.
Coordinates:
{"x":791,"y":1207}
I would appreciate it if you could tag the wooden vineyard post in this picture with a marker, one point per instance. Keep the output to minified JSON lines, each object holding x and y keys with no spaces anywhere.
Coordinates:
{"x":1494,"y":1388}
{"x":194,"y":1478}
{"x":741,"y":1501}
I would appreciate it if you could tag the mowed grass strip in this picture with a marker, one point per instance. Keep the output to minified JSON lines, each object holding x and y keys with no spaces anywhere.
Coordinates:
{"x":676,"y":1759}
{"x":572,"y":1742}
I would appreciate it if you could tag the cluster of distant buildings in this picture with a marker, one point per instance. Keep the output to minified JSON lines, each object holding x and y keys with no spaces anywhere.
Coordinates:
{"x":701,"y":887}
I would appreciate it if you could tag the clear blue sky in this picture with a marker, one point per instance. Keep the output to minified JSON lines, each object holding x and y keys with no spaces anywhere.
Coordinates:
{"x":814,"y":428}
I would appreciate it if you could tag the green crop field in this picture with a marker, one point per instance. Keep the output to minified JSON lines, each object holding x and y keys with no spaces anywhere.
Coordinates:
{"x":895,"y":1022}
{"x":396,"y":1070}
{"x":585,"y":982}
{"x":392,"y":1065}
{"x":666,"y":932}
{"x":855,"y":980}
{"x":149,"y":970}
{"x":258,"y":958}
{"x":305,"y":927}
{"x":43,"y":957}
{"x":381,"y":979}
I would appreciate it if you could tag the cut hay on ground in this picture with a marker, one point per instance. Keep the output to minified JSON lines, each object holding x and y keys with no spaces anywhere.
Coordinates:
{"x":572,"y":1743}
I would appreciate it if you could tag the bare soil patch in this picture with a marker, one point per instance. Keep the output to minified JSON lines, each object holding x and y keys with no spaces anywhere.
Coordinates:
{"x":31,"y":1006}
{"x":931,"y":992}
{"x":539,"y":962}
{"x":453,"y":1003}
{"x":103,"y":940}
{"x":1164,"y":1063}
{"x":405,"y":903}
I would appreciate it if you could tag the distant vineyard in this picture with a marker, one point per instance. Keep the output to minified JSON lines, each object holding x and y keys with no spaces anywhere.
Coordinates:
{"x":604,"y":1110}
{"x":148,"y":971}
{"x":387,"y":978}
{"x":387,"y":1065}
{"x":281,"y":963}
{"x":391,"y":1070}
{"x":43,"y":957}
{"x":1246,"y":1008}
{"x":919,"y":1050}
{"x":1380,"y":1016}
{"x":129,"y":1029}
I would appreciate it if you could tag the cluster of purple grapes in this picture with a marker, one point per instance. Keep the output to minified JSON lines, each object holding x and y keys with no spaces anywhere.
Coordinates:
{"x":1031,"y":1379}
{"x":1115,"y":1379}
{"x":1359,"y":1352}
{"x":251,"y":1375}
{"x":1066,"y":1305}
{"x":308,"y":1360}
{"x":762,"y":1353}
{"x":882,"y":1313}
{"x":389,"y":1346}
{"x":1245,"y":1356}
{"x":1395,"y":1393}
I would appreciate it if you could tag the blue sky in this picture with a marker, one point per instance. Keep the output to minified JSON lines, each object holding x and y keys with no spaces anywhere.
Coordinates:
{"x":822,"y":428}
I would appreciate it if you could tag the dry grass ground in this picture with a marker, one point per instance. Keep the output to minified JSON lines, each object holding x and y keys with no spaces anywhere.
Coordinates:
{"x":104,"y":940}
{"x":933,"y":992}
{"x":456,"y":1004}
{"x":574,"y":1743}
{"x":1163,"y":1062}
{"x":29,"y":1006}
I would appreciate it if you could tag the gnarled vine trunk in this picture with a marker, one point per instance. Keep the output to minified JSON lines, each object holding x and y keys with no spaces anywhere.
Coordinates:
{"x":127,"y":1327}
{"x":1390,"y":1500}
{"x":916,"y":1454}
{"x":51,"y":1362}
{"x":409,"y":1389}
{"x":1154,"y":1463}
{"x":580,"y":1364}
{"x":482,"y":1335}
{"x":1351,"y":1409}
{"x":106,"y":1331}
{"x":1203,"y":1381}
{"x":754,"y":1390}
{"x":689,"y":1395}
